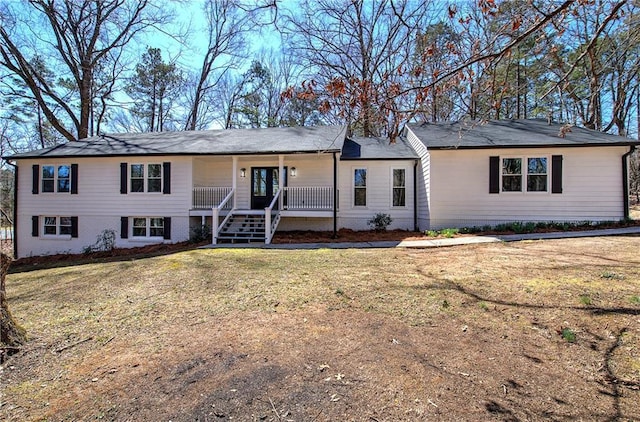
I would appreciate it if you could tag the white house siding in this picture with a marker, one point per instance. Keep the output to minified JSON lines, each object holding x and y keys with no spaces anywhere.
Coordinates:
{"x":423,"y":180}
{"x":212,"y":171}
{"x":592,"y":188}
{"x":99,"y":203}
{"x":379,"y":194}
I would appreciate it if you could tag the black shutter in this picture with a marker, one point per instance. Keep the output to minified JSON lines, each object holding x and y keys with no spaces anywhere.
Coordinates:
{"x":124,"y":227}
{"x":167,"y":228}
{"x":74,"y":179}
{"x":74,"y":226}
{"x":556,"y":174}
{"x":36,"y":179}
{"x":123,"y":178}
{"x":35,"y":225}
{"x":166,"y":176}
{"x":494,"y":174}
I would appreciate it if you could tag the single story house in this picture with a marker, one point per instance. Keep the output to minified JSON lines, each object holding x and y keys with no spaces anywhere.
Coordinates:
{"x":246,"y":184}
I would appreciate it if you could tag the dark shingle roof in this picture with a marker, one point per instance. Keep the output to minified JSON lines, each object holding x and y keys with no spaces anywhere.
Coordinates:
{"x":210,"y":142}
{"x":509,"y":134}
{"x":377,"y":149}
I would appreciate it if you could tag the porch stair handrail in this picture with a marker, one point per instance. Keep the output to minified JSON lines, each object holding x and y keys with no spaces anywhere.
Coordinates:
{"x":215,"y":228}
{"x":271,"y":221}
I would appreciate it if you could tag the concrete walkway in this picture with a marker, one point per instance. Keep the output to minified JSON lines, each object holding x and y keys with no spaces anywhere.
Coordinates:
{"x":437,"y":243}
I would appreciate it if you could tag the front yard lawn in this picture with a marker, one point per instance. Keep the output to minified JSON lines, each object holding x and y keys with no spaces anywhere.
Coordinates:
{"x":514,"y":331}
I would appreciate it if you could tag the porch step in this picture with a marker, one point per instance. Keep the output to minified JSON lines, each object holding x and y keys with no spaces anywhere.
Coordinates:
{"x":243,"y":227}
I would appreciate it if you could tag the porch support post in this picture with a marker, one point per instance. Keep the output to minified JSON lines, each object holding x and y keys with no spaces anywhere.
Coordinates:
{"x":234,"y":180}
{"x":214,"y":226}
{"x":335,"y":196}
{"x":282,"y":178}
{"x":267,"y":226}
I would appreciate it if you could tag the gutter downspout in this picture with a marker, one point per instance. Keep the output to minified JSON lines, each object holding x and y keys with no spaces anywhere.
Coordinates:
{"x":15,"y":210}
{"x":625,"y":181}
{"x":415,"y":196}
{"x":335,"y":196}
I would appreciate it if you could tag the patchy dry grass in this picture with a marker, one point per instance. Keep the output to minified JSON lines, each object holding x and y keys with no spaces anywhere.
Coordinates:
{"x":463,"y":333}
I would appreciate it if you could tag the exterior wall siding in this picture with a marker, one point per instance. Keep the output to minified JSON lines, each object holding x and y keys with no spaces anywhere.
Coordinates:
{"x":99,"y":203}
{"x":592,"y":188}
{"x":379,"y":194}
{"x":423,"y":181}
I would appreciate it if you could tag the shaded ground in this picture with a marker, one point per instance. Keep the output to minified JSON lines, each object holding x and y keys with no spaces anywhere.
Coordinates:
{"x":465,"y":333}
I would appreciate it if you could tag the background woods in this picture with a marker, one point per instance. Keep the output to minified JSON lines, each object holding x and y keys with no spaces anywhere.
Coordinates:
{"x":73,"y":69}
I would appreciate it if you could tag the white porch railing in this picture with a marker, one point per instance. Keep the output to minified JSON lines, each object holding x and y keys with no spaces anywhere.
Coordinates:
{"x":226,"y":203}
{"x":209,"y":197}
{"x":272,"y":216}
{"x":308,"y":198}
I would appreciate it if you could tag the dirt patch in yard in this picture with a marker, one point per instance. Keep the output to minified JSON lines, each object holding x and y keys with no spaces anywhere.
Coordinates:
{"x":518,"y":331}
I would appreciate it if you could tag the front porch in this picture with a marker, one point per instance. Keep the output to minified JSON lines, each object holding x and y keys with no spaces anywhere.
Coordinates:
{"x":302,"y":201}
{"x":250,"y":195}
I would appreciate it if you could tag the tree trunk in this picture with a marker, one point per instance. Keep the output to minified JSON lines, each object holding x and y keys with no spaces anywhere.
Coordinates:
{"x":12,"y":336}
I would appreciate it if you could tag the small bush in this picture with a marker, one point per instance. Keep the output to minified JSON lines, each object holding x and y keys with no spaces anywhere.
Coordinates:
{"x":635,"y":300}
{"x":105,"y":242}
{"x":449,"y":232}
{"x":444,"y":232}
{"x":200,"y":234}
{"x":586,"y":300}
{"x":568,"y":334}
{"x":610,"y":275}
{"x":380,"y":221}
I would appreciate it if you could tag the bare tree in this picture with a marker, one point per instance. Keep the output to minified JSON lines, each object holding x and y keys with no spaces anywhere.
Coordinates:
{"x":77,"y":36}
{"x":358,"y":55}
{"x":228,"y":24}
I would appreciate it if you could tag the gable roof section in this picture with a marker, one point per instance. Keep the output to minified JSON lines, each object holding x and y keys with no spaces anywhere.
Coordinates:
{"x":534,"y":133}
{"x":356,"y":148}
{"x":288,"y":140}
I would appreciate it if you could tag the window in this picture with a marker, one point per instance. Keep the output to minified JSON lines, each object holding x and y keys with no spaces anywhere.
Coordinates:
{"x":156,"y":227}
{"x":52,"y":178}
{"x":48,"y":178}
{"x":154,"y":177}
{"x":50,"y":226}
{"x":399,"y":192}
{"x":56,"y":178}
{"x":139,"y":227}
{"x":360,"y":188}
{"x":54,"y":226}
{"x":148,"y":227}
{"x":511,"y":175}
{"x":535,"y":173}
{"x":151,"y":172}
{"x":64,"y":179}
{"x":137,"y":177}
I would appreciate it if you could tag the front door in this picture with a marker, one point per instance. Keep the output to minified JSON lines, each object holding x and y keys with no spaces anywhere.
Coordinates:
{"x":264,"y":184}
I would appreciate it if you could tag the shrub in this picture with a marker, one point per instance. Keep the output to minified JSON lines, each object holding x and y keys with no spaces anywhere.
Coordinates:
{"x":568,"y":334}
{"x":380,"y":221}
{"x":200,"y":234}
{"x":105,"y":241}
{"x":449,"y":232}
